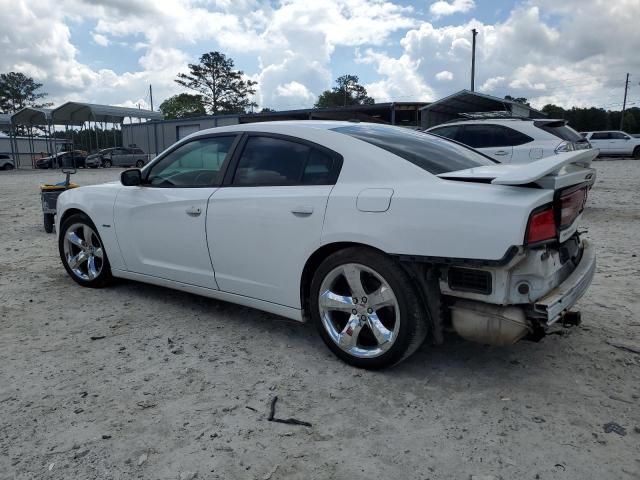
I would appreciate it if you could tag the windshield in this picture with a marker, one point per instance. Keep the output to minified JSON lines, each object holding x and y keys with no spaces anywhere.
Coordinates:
{"x":430,"y":152}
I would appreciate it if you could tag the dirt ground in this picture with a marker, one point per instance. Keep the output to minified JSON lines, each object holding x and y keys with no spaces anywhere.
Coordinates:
{"x":124,"y":406}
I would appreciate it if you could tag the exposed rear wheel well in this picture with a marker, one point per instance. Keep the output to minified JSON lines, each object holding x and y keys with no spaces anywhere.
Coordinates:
{"x":314,"y":262}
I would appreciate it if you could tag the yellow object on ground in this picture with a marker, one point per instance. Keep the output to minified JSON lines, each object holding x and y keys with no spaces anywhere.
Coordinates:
{"x":49,"y":188}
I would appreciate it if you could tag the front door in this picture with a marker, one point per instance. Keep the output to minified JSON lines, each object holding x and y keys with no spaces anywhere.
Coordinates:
{"x":620,"y":143}
{"x":160,"y":225}
{"x":263,"y":226}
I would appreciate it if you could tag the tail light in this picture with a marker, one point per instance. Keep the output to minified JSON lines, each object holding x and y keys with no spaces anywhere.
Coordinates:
{"x":571,"y":205}
{"x":544,"y":223}
{"x":565,"y":147}
{"x":542,"y":226}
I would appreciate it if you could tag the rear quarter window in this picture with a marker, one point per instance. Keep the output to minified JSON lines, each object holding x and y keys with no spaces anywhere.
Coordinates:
{"x":430,"y":152}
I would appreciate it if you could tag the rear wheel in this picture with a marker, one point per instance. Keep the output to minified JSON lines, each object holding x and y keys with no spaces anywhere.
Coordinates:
{"x":82,"y":252}
{"x":366,"y":308}
{"x":139,"y":164}
{"x":8,"y":166}
{"x":107,"y":164}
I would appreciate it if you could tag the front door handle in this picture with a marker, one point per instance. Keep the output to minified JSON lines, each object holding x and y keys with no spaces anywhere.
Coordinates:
{"x":194,"y":211}
{"x":302,"y":210}
{"x":501,"y":153}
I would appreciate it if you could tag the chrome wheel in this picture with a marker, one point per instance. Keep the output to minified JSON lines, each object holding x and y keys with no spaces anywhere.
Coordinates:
{"x":83,"y":251}
{"x":359,"y":310}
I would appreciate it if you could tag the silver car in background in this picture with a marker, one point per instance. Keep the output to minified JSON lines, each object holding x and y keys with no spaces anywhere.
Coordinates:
{"x":125,"y":157}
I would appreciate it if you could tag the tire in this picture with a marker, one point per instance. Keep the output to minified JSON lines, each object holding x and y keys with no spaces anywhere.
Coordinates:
{"x":107,"y":164}
{"x":139,"y":164}
{"x":384,"y":308}
{"x":636,"y":153}
{"x":8,"y":166}
{"x":48,"y":220}
{"x":91,"y":267}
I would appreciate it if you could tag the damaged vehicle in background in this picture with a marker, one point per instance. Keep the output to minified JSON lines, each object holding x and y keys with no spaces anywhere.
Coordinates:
{"x":380,"y":235}
{"x":73,"y":158}
{"x":514,"y":140}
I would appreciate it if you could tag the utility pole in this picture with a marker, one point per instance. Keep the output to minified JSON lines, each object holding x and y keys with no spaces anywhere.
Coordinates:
{"x":151,"y":96}
{"x":624,"y":103}
{"x":473,"y":60}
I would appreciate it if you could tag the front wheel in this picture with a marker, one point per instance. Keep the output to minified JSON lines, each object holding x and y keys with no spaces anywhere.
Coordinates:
{"x":139,"y":164}
{"x":366,"y":308}
{"x":636,"y":153}
{"x":82,"y":252}
{"x":107,"y":164}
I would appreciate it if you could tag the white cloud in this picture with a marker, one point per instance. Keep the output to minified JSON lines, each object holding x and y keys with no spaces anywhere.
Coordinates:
{"x":545,"y":50}
{"x":443,"y":7}
{"x":444,"y":76}
{"x":100,"y":39}
{"x":569,"y":62}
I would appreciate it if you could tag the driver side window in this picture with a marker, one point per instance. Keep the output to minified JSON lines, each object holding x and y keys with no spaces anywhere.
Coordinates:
{"x":194,"y":164}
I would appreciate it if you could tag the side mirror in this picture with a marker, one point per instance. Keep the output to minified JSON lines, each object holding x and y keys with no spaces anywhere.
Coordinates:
{"x":131,"y":177}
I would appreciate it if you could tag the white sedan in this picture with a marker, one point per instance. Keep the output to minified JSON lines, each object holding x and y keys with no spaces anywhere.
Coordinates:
{"x":380,"y":235}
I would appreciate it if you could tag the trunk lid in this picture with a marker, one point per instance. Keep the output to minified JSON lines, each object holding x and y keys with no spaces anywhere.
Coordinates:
{"x":568,"y":174}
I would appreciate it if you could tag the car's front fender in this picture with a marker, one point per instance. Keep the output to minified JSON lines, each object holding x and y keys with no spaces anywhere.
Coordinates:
{"x":97,"y":202}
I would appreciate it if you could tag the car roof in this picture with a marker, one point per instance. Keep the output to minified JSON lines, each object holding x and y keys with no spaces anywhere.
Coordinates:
{"x":306,"y":124}
{"x":497,"y":120}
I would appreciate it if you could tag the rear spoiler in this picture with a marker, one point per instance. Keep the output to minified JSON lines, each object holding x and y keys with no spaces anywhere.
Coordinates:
{"x":523,"y":174}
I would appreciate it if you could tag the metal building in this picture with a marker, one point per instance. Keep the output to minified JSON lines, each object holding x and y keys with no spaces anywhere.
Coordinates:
{"x":155,"y":136}
{"x":465,"y":101}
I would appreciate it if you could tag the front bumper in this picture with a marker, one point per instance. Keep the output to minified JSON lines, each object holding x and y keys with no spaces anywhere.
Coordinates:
{"x":558,"y":301}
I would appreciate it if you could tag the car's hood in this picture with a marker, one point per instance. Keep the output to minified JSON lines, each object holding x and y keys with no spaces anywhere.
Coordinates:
{"x":527,"y":173}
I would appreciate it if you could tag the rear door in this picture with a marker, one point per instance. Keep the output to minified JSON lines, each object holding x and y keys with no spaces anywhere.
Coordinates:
{"x":488,"y":139}
{"x":267,"y":219}
{"x":600,"y":140}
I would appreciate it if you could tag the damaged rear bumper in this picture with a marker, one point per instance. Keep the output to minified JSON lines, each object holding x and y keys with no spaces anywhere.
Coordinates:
{"x":556,"y":303}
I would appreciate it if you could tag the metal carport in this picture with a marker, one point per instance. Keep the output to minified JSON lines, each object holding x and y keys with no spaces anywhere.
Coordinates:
{"x":76,"y":113}
{"x":465,"y":101}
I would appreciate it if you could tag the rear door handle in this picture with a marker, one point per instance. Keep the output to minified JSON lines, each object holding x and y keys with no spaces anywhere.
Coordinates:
{"x":501,"y":153}
{"x":194,"y":211}
{"x":302,"y":210}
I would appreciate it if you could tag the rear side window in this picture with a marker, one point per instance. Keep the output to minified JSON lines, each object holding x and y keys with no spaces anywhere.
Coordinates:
{"x":600,"y":136}
{"x":487,"y":136}
{"x":429,"y":152}
{"x":514,"y":137}
{"x":270,"y":161}
{"x":560,"y":130}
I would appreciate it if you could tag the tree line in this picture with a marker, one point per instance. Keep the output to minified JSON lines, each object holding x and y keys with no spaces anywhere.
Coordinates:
{"x":221,"y":89}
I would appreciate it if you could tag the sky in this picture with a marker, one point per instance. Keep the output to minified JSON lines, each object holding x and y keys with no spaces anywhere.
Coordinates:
{"x":567,"y":52}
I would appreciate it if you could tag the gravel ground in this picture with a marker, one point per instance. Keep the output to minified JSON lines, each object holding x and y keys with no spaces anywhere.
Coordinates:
{"x":135,"y":404}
